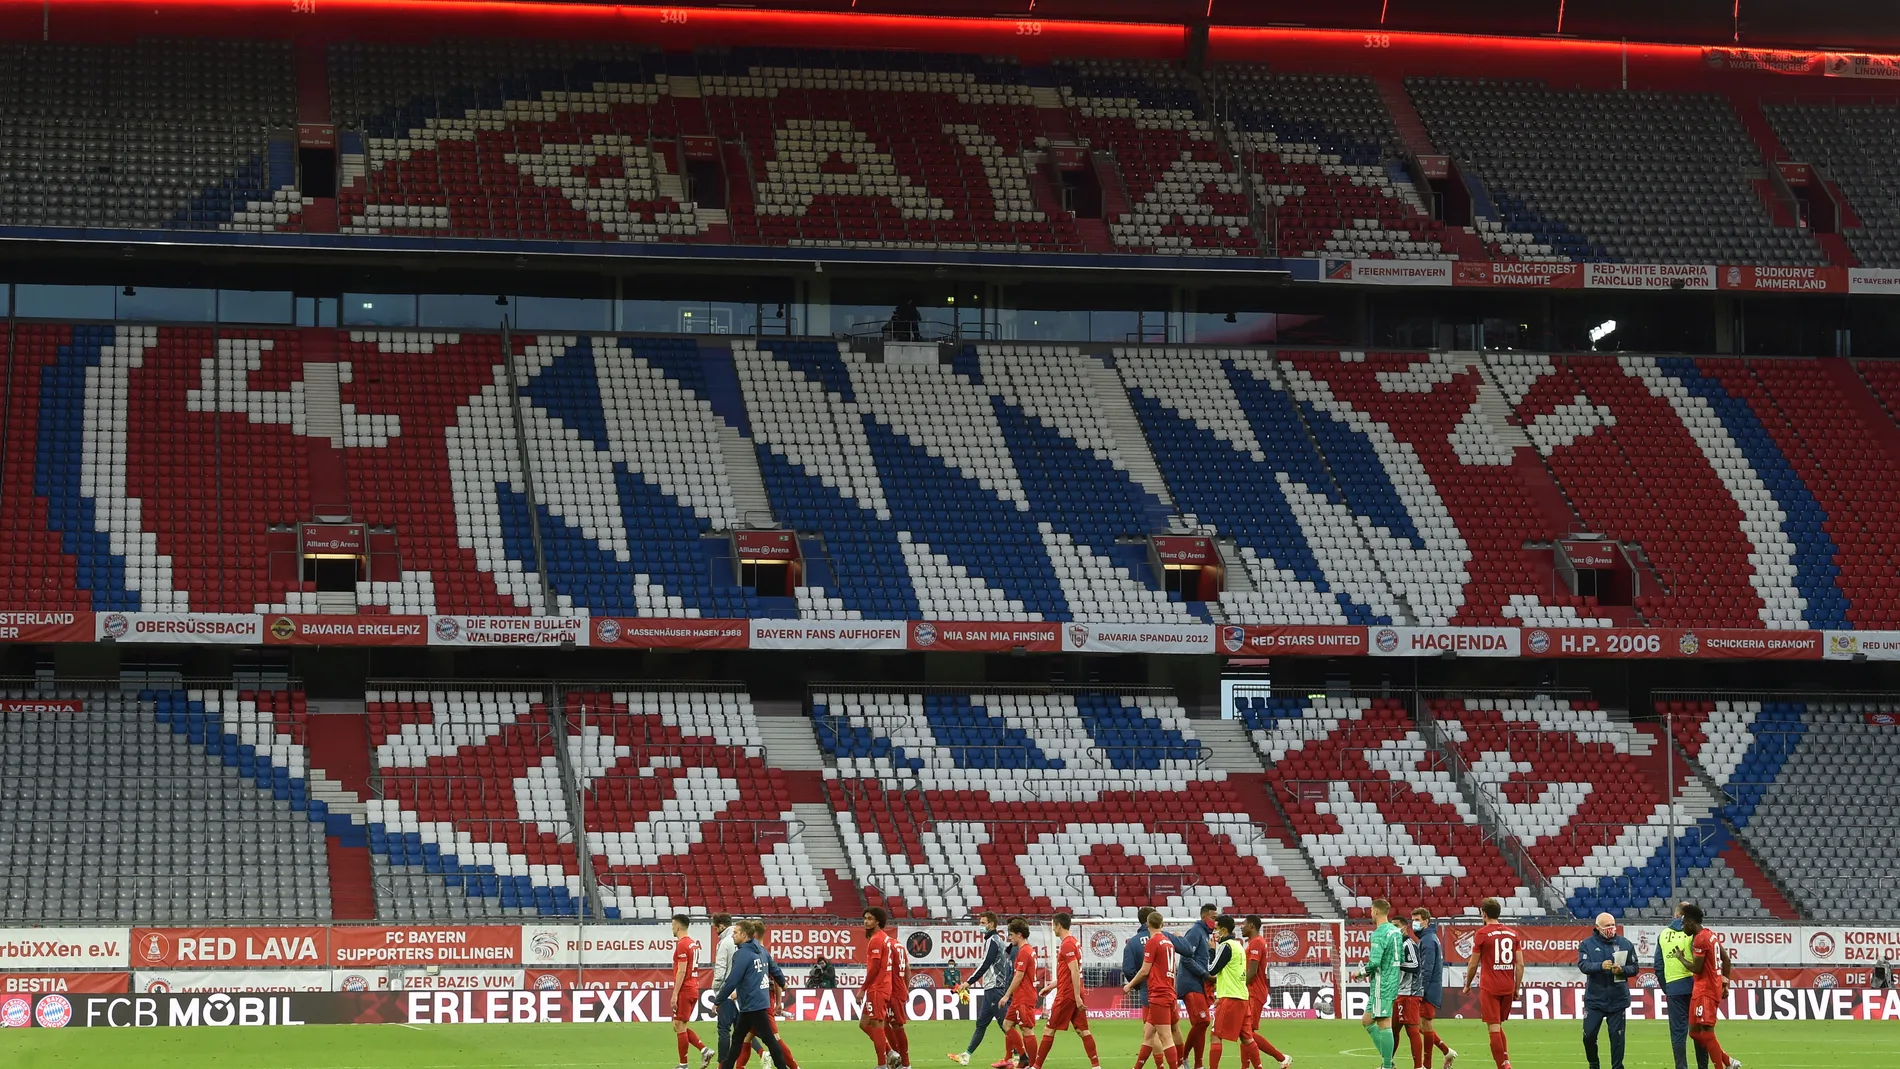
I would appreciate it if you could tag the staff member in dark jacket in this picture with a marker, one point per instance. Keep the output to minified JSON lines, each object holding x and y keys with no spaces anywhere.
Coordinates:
{"x":1678,"y":985}
{"x":749,"y":983}
{"x":1196,"y":950}
{"x":1131,"y":958}
{"x":1607,"y":961}
{"x":1426,"y":980}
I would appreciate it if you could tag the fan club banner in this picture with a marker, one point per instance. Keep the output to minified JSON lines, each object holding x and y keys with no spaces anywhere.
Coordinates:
{"x":1675,"y":644}
{"x":1332,"y":641}
{"x":947,"y":636}
{"x":313,"y":630}
{"x":648,"y":633}
{"x":46,"y":627}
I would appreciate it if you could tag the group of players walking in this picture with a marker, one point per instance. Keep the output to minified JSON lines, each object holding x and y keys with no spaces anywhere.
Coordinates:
{"x":1200,"y":989}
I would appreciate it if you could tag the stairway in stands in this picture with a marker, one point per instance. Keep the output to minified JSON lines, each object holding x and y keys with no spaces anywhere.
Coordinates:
{"x":337,"y":738}
{"x":792,"y":749}
{"x":1232,"y":751}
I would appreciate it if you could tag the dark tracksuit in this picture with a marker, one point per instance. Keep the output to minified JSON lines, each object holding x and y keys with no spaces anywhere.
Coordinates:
{"x":995,"y":970}
{"x":1606,"y":997}
{"x":750,"y":979}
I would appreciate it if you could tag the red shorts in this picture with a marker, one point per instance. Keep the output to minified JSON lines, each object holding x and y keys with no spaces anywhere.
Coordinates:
{"x":1256,"y":1007}
{"x":1412,"y":1010}
{"x":877,"y":1007}
{"x":1704,"y":1009}
{"x":1495,"y":1009}
{"x":1022,"y":1014}
{"x":1161,"y":1011}
{"x":689,"y":1001}
{"x":1068,"y":1012}
{"x":898,"y":1014}
{"x":1197,"y":1007}
{"x":1230,"y":1018}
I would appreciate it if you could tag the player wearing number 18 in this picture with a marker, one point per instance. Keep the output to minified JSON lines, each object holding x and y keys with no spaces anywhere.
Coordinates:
{"x":1498,"y":969}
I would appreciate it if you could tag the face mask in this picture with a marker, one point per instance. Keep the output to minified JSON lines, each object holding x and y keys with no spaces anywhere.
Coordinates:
{"x":1418,"y":926}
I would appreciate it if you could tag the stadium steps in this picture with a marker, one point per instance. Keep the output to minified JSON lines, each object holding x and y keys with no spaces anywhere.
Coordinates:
{"x":1838,"y":252}
{"x":1233,"y":569}
{"x":826,"y":849}
{"x":1553,"y":507}
{"x":337,"y":738}
{"x":1111,"y":399}
{"x":1756,"y":879}
{"x":323,"y":427}
{"x":789,"y":741}
{"x":1404,"y":114}
{"x":1230,"y":748}
{"x":742,"y":474}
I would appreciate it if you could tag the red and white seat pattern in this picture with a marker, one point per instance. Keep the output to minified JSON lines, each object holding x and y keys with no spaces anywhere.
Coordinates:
{"x":680,"y":810}
{"x":1014,"y":802}
{"x":474,"y":774}
{"x":1585,"y":794}
{"x":1378,"y":810}
{"x":1183,"y":194}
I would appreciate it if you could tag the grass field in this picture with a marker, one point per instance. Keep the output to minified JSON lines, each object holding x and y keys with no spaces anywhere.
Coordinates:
{"x":1313,"y":1045}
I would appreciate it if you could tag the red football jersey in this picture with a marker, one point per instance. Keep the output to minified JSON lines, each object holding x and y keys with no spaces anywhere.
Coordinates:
{"x":877,"y":965}
{"x":686,"y":952}
{"x":1160,"y":958}
{"x":900,"y":964}
{"x":1709,"y":982}
{"x":1026,"y":968}
{"x":1494,"y":954}
{"x":1070,"y":951}
{"x":1257,"y":956}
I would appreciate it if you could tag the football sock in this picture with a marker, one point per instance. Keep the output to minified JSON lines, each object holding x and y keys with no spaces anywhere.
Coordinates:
{"x":1088,"y":1048}
{"x":900,"y":1042}
{"x":1500,"y":1053}
{"x":1267,"y":1048}
{"x":1042,"y":1052}
{"x":1418,"y":1049}
{"x":1173,"y":1054}
{"x":1708,"y":1042}
{"x":1213,"y":1054}
{"x":1387,"y":1044}
{"x":681,"y":1037}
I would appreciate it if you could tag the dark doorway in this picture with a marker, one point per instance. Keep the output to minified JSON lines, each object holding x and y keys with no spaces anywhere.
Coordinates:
{"x":316,"y":171}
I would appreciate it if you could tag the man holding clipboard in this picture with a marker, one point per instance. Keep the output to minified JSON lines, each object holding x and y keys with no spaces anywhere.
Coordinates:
{"x":1607,"y":961}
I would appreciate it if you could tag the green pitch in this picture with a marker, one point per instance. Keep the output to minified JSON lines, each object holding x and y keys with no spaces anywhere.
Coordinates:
{"x":1313,"y":1045}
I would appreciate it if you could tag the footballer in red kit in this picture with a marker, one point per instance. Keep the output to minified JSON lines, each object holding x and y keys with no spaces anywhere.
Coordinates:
{"x":1068,"y":1009}
{"x":877,"y":982}
{"x":1259,"y":989}
{"x":1157,"y":971}
{"x":1497,"y":966}
{"x":1710,"y":962}
{"x":686,"y":993}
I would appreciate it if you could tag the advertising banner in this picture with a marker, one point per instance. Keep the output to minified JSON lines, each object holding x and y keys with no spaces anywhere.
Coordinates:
{"x":254,"y":981}
{"x":1783,"y":279}
{"x":1649,"y":276}
{"x":661,"y":633}
{"x":32,"y":949}
{"x":1632,"y":644}
{"x":1765,"y":60}
{"x":1873,"y":280}
{"x":829,"y":635}
{"x":196,"y":628}
{"x":313,"y":630}
{"x":47,"y":627}
{"x":619,"y":944}
{"x":1858,"y":65}
{"x":491,"y":944}
{"x":234,"y":948}
{"x":1292,"y":639}
{"x":1390,"y":272}
{"x":67,"y":983}
{"x":984,"y":636}
{"x":1438,"y":641}
{"x":507,"y":630}
{"x":1717,"y":644}
{"x":1137,"y":638}
{"x":1522,"y":274}
{"x":1871,"y":645}
{"x":42,"y":705}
